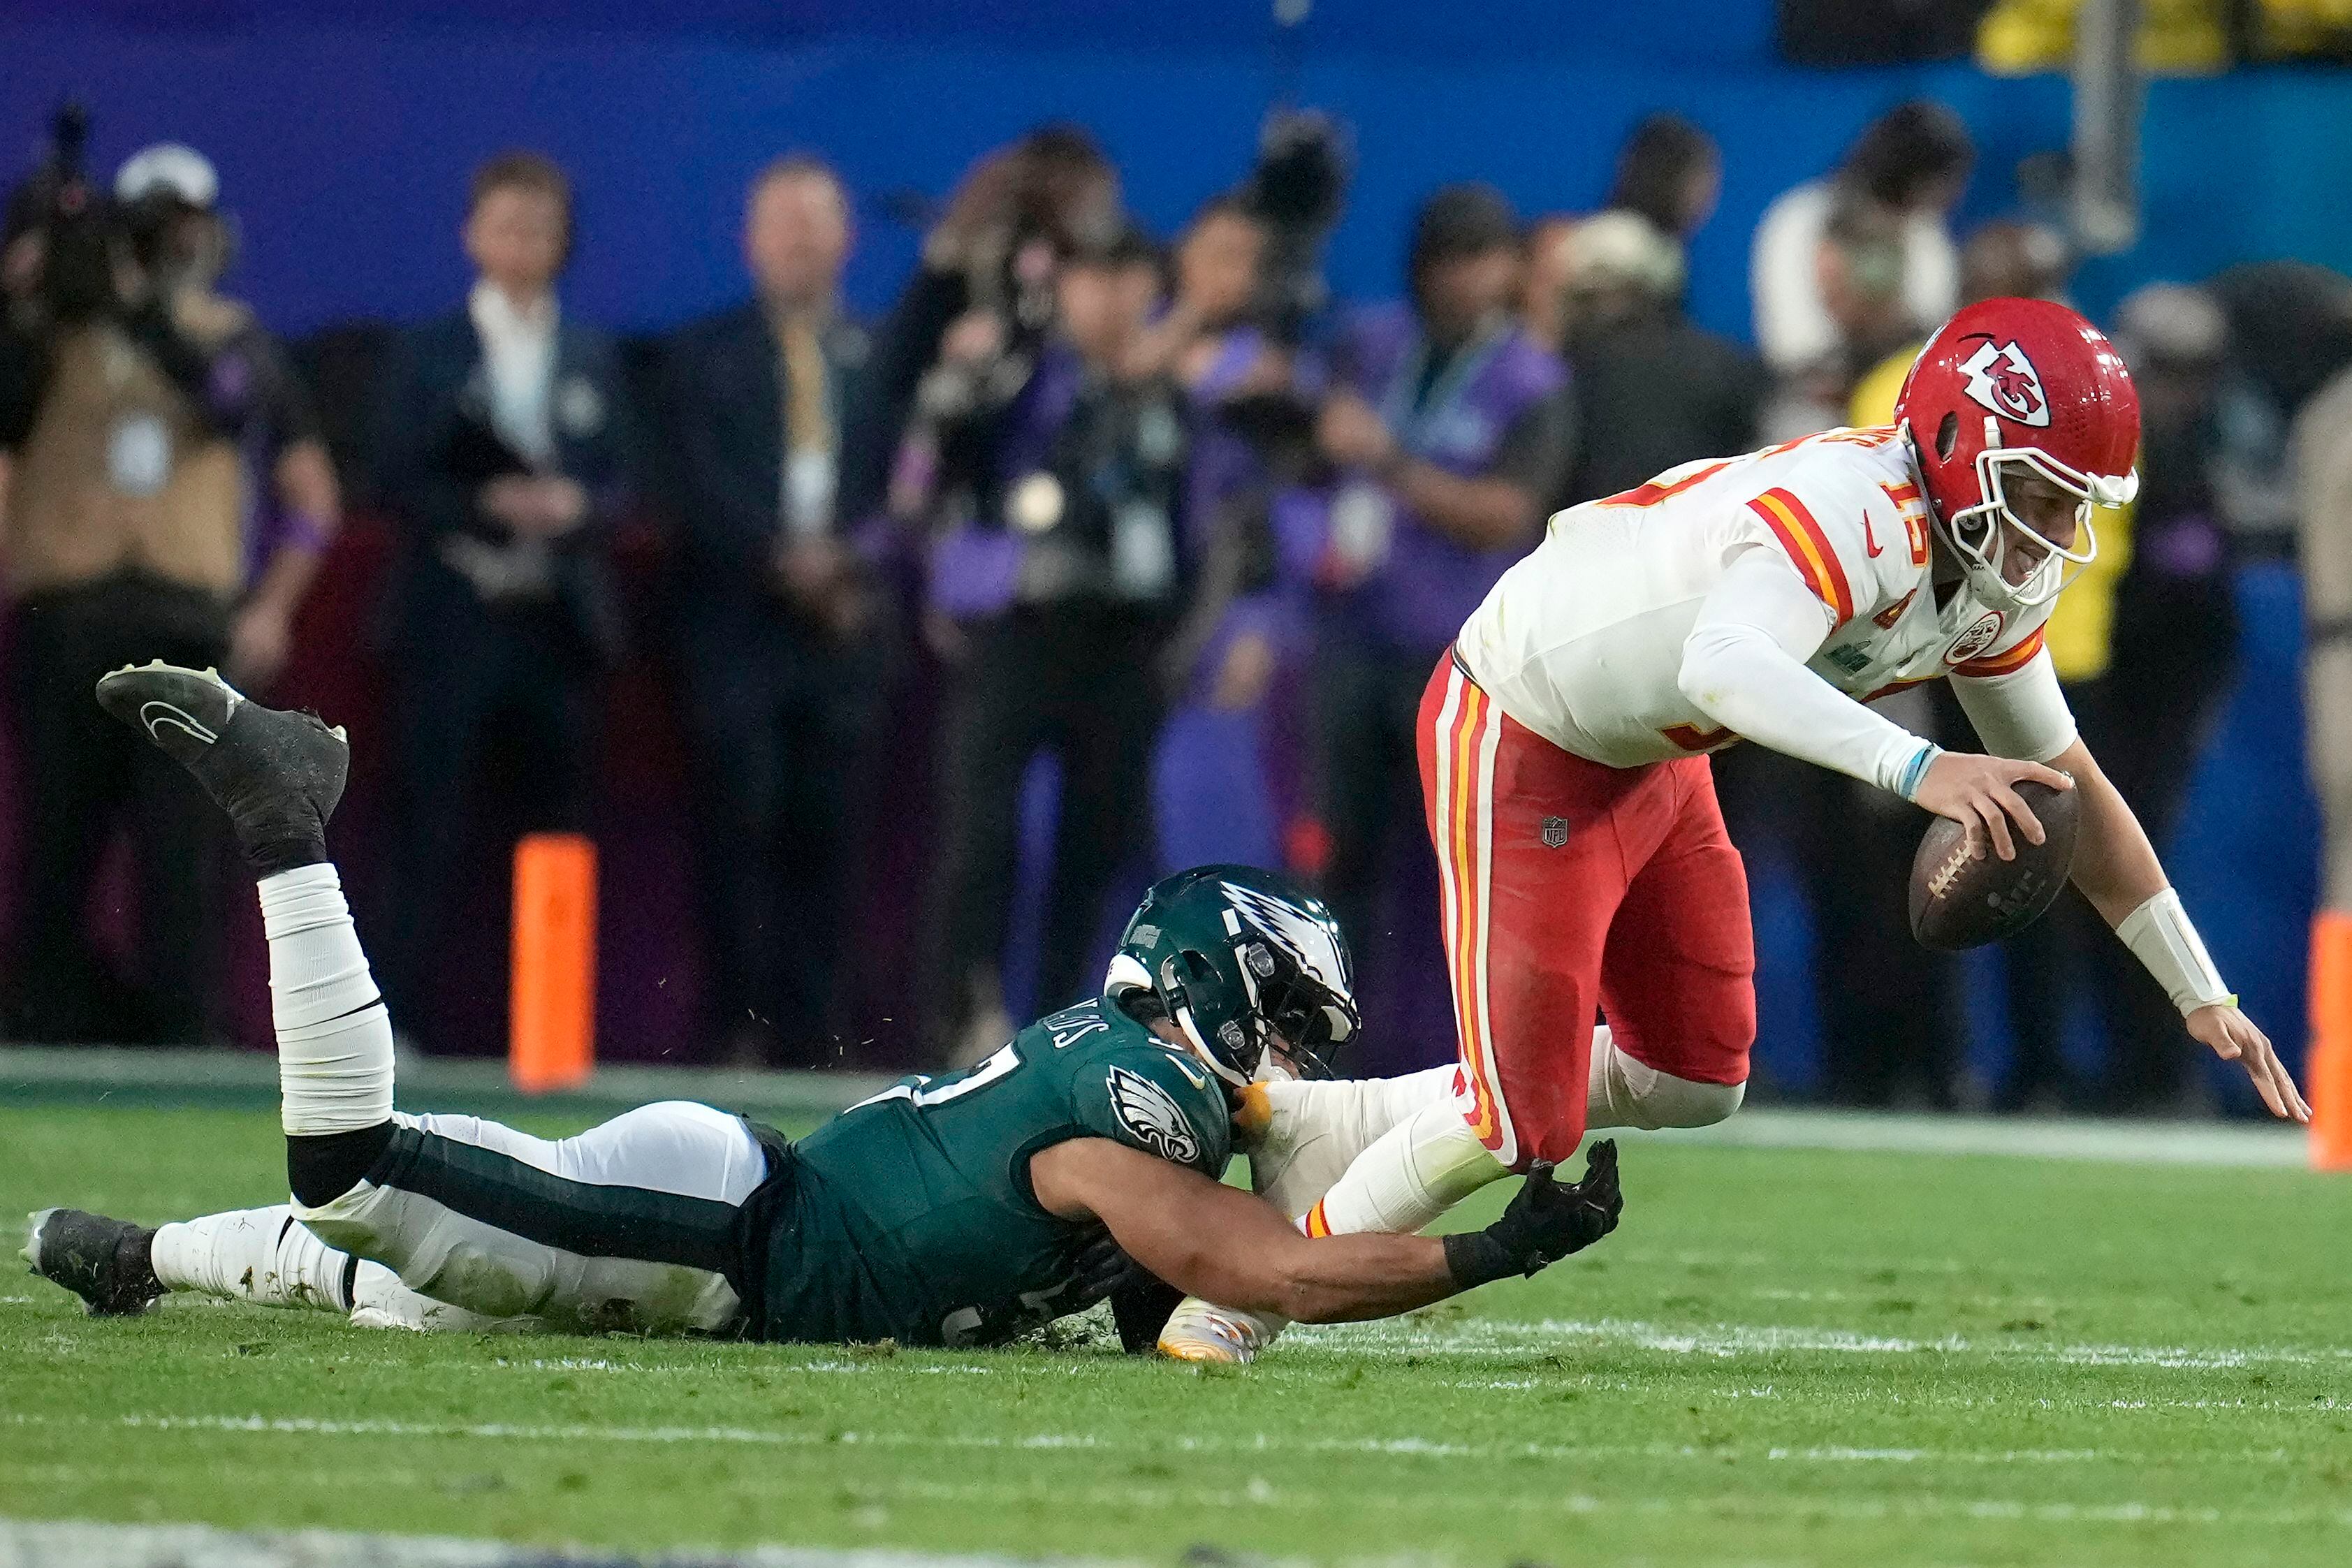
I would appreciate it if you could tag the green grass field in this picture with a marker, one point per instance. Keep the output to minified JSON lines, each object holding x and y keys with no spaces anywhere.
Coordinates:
{"x":1782,"y":1357}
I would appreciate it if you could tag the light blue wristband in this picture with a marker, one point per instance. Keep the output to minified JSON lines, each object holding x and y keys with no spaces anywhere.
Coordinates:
{"x":1915,"y":772}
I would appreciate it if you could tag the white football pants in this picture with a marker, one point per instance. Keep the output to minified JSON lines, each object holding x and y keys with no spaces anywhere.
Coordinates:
{"x":632,"y":1225}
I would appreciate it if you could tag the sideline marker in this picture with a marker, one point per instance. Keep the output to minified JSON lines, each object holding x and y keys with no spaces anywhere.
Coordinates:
{"x":2330,"y":1061}
{"x":552,"y":1020}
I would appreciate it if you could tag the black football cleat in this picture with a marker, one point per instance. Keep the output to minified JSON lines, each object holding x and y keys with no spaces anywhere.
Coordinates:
{"x":278,"y":774}
{"x":108,"y":1263}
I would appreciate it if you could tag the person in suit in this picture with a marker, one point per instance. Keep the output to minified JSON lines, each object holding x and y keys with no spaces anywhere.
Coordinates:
{"x":776,"y":628}
{"x":504,"y":460}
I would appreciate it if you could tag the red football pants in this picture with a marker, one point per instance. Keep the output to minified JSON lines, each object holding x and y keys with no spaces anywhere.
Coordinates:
{"x":1573,"y":889}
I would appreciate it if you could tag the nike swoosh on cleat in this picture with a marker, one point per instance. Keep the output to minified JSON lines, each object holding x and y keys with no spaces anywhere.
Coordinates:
{"x":155,"y":715}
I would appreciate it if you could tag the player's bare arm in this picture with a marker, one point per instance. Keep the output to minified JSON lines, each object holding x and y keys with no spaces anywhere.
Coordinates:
{"x":1228,"y":1246}
{"x":2117,"y":869}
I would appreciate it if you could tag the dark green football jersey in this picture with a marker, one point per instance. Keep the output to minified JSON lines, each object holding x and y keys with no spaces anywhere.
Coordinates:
{"x":911,"y":1216}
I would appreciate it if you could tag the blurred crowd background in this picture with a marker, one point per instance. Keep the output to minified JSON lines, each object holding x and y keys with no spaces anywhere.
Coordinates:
{"x":900,"y":486}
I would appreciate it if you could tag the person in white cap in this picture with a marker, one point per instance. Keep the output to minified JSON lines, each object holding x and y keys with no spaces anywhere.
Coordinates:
{"x":169,"y":195}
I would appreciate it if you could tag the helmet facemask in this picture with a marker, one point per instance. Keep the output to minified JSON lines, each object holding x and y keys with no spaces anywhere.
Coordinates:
{"x":1238,"y":1048}
{"x":1295,"y":1016}
{"x":1982,"y":536}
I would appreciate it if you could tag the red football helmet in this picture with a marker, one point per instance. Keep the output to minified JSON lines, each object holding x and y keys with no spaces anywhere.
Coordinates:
{"x":2025,"y":383}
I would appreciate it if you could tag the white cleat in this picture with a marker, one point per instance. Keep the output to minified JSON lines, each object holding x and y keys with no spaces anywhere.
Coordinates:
{"x":1219,"y":1336}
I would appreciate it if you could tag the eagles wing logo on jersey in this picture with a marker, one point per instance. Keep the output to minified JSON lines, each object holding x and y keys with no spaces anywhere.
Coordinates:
{"x":1151,"y":1114}
{"x":1309,"y":942}
{"x":2002,"y":378}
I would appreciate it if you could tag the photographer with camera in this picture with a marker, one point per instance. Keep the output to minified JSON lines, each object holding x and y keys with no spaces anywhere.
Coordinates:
{"x":141,"y":413}
{"x":1056,"y":600}
{"x":965,"y":335}
{"x":1449,"y":431}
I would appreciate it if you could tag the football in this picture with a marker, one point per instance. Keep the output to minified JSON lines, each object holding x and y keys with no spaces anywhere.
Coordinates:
{"x":1959,"y":900}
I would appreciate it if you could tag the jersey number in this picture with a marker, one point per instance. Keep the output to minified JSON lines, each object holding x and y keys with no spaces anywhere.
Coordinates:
{"x":924,"y":1095}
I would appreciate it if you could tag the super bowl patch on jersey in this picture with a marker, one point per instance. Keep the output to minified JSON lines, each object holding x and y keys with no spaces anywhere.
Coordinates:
{"x":1151,"y":1114}
{"x":1980,"y":635}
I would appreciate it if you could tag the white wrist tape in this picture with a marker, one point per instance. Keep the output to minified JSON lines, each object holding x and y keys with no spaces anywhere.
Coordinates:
{"x":2167,"y":944}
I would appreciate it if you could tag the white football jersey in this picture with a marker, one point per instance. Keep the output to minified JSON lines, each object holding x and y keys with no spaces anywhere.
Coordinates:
{"x":1582,"y":642}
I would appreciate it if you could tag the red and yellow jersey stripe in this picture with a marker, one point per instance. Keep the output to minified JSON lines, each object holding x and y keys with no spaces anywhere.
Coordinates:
{"x":2006,"y":663}
{"x":1808,"y":547}
{"x":1660,"y":489}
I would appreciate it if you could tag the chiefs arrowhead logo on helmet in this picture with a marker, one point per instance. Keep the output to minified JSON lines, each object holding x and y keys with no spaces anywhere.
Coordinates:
{"x":2001,"y":378}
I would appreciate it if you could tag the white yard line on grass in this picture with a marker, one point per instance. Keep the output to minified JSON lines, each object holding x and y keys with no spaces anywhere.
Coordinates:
{"x":78,"y":1544}
{"x":1257,"y":1444}
{"x":25,"y":1545}
{"x":1482,"y":1337}
{"x":1484,"y":1498}
{"x":2127,"y":1143}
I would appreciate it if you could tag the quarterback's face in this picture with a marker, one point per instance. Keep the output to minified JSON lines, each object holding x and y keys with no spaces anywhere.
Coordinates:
{"x":2050,"y":514}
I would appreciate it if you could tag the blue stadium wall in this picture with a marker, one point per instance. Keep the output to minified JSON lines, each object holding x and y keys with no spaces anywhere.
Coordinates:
{"x":331,"y":138}
{"x":344,"y":134}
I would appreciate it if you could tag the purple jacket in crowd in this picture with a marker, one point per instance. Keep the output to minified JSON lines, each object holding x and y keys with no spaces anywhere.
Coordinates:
{"x":1420,"y":586}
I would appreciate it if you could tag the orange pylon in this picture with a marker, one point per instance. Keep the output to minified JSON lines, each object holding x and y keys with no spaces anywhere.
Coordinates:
{"x":552,"y":1022}
{"x":2330,"y":1061}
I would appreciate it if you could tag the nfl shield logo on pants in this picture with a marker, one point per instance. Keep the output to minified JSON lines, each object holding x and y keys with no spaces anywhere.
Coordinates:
{"x":1554,"y":832}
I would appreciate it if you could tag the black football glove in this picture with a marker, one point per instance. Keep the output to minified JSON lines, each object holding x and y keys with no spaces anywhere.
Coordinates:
{"x":1139,"y":1304}
{"x":1546,"y":1222}
{"x":1098,"y":1272}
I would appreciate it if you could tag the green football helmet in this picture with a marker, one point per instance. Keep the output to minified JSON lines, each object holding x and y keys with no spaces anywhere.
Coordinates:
{"x":1241,"y":959}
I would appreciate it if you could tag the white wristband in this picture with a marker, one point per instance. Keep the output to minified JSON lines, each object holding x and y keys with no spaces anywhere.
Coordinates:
{"x":2167,"y":944}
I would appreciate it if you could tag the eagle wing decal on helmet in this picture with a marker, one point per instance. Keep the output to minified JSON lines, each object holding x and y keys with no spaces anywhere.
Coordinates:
{"x":1307,"y":940}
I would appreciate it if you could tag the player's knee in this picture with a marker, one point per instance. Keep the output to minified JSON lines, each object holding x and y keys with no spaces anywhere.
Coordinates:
{"x":321,"y":1169}
{"x":1671,"y":1102}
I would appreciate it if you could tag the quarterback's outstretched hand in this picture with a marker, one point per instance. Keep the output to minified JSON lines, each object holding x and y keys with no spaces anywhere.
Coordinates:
{"x":1981,"y":794}
{"x":2234,"y":1037}
{"x":1546,"y":1222}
